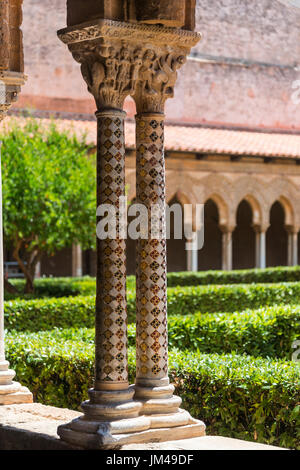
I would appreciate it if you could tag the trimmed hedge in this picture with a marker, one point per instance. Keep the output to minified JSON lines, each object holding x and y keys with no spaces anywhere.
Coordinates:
{"x":238,"y":396}
{"x":266,"y":332}
{"x":55,"y":287}
{"x":70,"y":286}
{"x":230,"y":298}
{"x":242,"y":276}
{"x":43,"y":314}
{"x":59,"y":287}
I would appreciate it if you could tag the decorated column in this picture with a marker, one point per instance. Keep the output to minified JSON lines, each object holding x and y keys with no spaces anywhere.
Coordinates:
{"x":120,"y":59}
{"x":159,"y":74}
{"x":11,"y":79}
{"x":110,"y":70}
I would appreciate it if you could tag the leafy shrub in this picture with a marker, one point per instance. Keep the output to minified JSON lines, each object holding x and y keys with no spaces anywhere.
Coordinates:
{"x":60,"y":287}
{"x":68,"y":286}
{"x":238,"y":396}
{"x":267,"y":332}
{"x":55,"y":287}
{"x":67,"y":312}
{"x":45,"y":314}
{"x":230,"y":298}
{"x":243,"y":276}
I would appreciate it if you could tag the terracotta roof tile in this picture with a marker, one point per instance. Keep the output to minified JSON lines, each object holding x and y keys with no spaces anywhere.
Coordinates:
{"x":199,"y":139}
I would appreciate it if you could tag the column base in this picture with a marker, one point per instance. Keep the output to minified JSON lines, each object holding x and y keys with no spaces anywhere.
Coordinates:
{"x":142,"y":429}
{"x":12,"y":393}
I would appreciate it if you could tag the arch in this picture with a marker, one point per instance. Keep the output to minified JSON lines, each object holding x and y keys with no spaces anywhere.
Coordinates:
{"x":253,"y":191}
{"x":222,"y":208}
{"x":210,"y":256}
{"x":243,"y":237}
{"x":277,"y":236}
{"x":215,"y":187}
{"x":257,"y":219}
{"x":289,"y":212}
{"x":287,"y":193}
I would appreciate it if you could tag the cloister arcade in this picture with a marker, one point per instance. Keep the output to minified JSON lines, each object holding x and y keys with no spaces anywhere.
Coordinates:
{"x":248,"y":223}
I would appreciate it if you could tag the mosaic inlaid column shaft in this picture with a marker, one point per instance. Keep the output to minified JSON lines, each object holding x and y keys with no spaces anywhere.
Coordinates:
{"x":151,"y":281}
{"x":111,"y":397}
{"x":111,"y":312}
{"x":152,"y":382}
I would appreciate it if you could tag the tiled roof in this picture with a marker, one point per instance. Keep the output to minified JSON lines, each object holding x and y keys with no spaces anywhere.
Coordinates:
{"x":201,"y":140}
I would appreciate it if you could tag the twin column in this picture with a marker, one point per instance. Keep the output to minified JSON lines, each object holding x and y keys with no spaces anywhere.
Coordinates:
{"x":111,"y":366}
{"x":119,"y":59}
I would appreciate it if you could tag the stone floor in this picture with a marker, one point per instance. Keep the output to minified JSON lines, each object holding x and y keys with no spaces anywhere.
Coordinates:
{"x":33,"y":427}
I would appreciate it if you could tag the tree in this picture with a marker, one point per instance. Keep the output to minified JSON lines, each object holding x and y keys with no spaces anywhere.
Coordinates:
{"x":49,"y":193}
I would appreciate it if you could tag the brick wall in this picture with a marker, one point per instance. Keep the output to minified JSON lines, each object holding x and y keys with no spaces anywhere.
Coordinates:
{"x":255,"y":95}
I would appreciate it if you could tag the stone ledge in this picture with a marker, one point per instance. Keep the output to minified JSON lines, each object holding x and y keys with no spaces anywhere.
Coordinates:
{"x":34,"y":427}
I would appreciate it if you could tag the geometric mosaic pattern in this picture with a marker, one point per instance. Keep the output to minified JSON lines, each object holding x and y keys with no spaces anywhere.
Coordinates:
{"x":151,"y":277}
{"x":111,"y":313}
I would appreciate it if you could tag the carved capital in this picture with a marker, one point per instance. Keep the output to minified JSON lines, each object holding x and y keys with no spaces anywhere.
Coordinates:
{"x":110,"y":69}
{"x":10,"y":86}
{"x":120,"y":59}
{"x":157,"y":79}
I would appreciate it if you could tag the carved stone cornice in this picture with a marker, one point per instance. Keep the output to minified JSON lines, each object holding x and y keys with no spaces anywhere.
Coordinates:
{"x":120,"y":59}
{"x":10,"y":87}
{"x":138,"y":33}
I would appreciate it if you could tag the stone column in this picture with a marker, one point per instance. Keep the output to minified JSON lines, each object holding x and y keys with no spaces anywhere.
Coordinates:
{"x":192,"y":259}
{"x":152,"y":384}
{"x":11,"y":79}
{"x":107,"y":68}
{"x":260,"y":247}
{"x":292,"y":245}
{"x":76,"y":261}
{"x":115,"y":64}
{"x":227,"y":248}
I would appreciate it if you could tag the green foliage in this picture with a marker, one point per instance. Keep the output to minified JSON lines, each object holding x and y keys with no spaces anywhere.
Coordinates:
{"x":41,"y":314}
{"x":45,"y":314}
{"x":240,"y":396}
{"x":49,"y":192}
{"x":54,"y":287}
{"x":243,"y":276}
{"x":65,"y":286}
{"x":229,"y":298}
{"x":267,"y":332}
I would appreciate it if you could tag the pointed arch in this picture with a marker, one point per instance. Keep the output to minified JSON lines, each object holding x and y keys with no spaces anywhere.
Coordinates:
{"x":222,"y":208}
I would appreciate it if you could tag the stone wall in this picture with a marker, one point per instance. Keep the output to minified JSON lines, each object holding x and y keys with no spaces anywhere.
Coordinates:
{"x":252,"y":95}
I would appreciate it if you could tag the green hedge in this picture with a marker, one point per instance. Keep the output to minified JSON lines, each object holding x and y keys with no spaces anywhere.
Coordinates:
{"x":243,"y":276}
{"x":238,"y":396}
{"x":55,"y":287}
{"x":230,"y":298}
{"x":60,"y":287}
{"x":43,"y":314}
{"x":267,"y":332}
{"x":69,"y":286}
